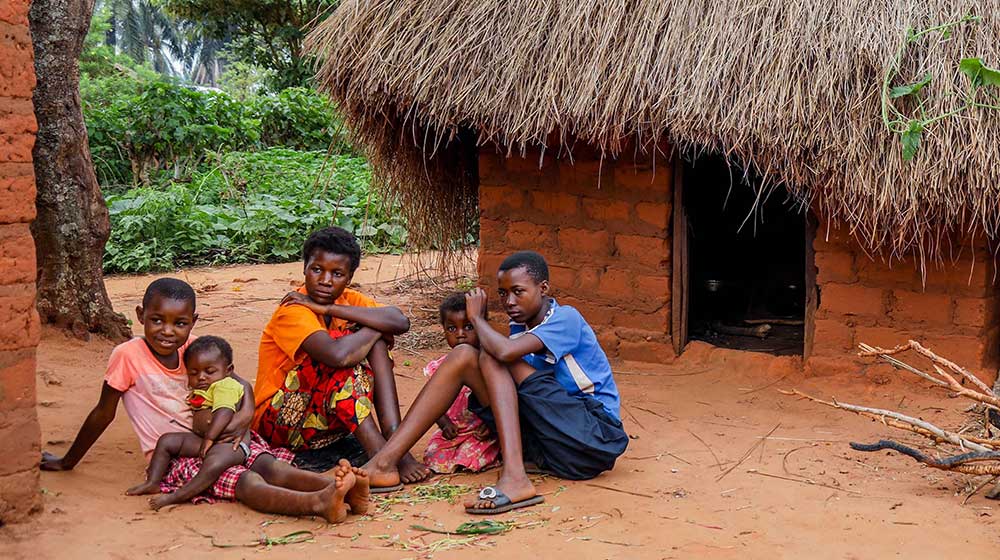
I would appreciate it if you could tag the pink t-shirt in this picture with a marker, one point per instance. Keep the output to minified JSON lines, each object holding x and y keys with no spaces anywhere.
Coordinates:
{"x":153,"y":394}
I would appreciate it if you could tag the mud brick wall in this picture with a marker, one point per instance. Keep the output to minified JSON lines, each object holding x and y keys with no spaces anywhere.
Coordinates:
{"x":864,"y":300}
{"x":603,"y":226}
{"x":19,"y":329}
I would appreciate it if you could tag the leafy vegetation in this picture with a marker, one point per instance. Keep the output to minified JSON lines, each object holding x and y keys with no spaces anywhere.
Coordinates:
{"x":248,"y":207}
{"x":911,"y":127}
{"x":204,"y":176}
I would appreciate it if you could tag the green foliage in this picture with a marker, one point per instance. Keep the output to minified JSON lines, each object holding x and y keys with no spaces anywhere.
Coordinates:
{"x":244,"y":81}
{"x":911,"y":125}
{"x":979,"y":75}
{"x":247,"y":207}
{"x":270,"y":32}
{"x":302,"y":119}
{"x":139,"y":128}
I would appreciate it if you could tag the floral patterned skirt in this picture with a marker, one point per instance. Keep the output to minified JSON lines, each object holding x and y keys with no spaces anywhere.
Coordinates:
{"x":317,"y":405}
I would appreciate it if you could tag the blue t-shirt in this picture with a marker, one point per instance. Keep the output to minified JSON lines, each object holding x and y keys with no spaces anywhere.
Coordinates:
{"x":571,"y":348}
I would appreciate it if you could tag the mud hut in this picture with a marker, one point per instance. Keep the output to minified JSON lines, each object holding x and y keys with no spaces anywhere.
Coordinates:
{"x":19,"y":329}
{"x":694,"y":169}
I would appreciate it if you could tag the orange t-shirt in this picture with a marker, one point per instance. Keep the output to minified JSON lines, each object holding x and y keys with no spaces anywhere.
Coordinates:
{"x":279,"y":350}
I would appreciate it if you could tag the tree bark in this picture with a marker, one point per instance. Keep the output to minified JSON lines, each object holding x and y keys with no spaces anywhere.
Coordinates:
{"x":72,"y":224}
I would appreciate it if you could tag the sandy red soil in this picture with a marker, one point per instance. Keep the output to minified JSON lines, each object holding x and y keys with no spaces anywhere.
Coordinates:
{"x":667,"y":498}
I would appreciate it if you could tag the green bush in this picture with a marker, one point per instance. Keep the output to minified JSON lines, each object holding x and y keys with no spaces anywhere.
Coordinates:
{"x":156,"y":126}
{"x":142,"y":127}
{"x":300,"y":119}
{"x":247,"y":207}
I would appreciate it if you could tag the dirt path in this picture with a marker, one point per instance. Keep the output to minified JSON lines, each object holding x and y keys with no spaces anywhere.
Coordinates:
{"x":669,"y":497}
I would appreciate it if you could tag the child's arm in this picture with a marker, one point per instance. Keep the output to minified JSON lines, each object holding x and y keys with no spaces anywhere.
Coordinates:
{"x":97,"y":421}
{"x":388,"y":320}
{"x":346,"y":351}
{"x":505,"y":349}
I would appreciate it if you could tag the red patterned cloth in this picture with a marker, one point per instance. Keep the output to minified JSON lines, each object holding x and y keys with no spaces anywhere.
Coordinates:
{"x":184,"y":469}
{"x":445,"y":456}
{"x":317,"y":404}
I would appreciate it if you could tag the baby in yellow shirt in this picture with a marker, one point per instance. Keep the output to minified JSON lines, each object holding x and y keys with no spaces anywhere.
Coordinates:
{"x":214,"y":399}
{"x":249,"y":470}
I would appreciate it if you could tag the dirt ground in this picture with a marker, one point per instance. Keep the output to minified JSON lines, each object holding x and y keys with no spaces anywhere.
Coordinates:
{"x":697,"y":480}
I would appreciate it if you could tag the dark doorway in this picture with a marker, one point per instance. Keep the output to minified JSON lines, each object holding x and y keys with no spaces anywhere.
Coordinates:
{"x":746,"y":260}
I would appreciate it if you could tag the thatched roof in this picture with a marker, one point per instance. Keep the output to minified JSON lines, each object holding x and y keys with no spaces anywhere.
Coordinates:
{"x":792,"y":87}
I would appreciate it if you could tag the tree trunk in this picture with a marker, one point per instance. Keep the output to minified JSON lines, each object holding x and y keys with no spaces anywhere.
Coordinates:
{"x":72,"y":224}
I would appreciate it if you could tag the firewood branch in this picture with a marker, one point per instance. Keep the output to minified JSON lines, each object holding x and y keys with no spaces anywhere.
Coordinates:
{"x":899,"y":421}
{"x":947,"y":463}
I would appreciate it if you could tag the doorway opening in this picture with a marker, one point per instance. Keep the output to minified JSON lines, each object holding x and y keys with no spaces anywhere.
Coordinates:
{"x":746,"y":252}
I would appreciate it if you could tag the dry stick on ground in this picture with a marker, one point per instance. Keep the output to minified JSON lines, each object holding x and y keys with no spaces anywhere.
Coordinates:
{"x":897,"y":420}
{"x":749,"y":452}
{"x":987,"y":392}
{"x":718,"y":463}
{"x":802,"y":481}
{"x":613,"y":489}
{"x":955,"y":463}
{"x":978,"y":488}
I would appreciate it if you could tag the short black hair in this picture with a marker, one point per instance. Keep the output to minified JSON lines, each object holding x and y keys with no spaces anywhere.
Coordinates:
{"x":336,"y":240}
{"x":454,"y":303}
{"x":534,"y":263}
{"x":169,"y":288}
{"x":203,"y":343}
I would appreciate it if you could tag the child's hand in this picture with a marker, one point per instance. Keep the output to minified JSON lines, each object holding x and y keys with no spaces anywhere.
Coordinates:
{"x":449,"y":430}
{"x":298,"y":298}
{"x":51,"y":462}
{"x":206,"y":444}
{"x":475,"y":303}
{"x":483,"y":433}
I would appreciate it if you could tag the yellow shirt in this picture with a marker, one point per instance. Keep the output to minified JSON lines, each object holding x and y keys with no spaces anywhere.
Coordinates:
{"x":224,"y":393}
{"x":279,"y":350}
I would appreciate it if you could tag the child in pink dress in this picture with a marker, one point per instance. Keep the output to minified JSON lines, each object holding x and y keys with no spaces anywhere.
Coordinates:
{"x":463,"y":440}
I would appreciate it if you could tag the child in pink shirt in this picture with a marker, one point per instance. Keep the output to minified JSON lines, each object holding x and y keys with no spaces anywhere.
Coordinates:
{"x":148,"y":375}
{"x":463,"y":440}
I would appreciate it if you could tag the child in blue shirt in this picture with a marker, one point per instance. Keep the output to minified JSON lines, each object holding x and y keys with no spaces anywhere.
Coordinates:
{"x":547,"y":391}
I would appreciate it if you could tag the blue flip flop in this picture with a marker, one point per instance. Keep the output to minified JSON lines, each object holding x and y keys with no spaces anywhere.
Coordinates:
{"x":501,"y":502}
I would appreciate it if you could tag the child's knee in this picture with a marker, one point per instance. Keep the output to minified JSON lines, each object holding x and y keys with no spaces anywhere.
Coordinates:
{"x":248,"y":482}
{"x":465,"y":354}
{"x":221,"y":459}
{"x":264,"y":466}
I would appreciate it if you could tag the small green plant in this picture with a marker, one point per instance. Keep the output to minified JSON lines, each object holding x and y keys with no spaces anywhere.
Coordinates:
{"x":911,"y":126}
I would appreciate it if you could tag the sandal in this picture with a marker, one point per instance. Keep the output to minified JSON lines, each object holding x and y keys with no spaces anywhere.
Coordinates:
{"x":501,"y":502}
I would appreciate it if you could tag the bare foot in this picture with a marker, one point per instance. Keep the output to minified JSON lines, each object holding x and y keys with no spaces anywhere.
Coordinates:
{"x":411,"y":470}
{"x":160,"y":501}
{"x":359,"y":496}
{"x":144,"y":488}
{"x":332,"y":506}
{"x":517,"y":489}
{"x":381,"y":475}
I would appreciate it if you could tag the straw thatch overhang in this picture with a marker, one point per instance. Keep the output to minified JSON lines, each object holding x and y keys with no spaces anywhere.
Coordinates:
{"x":790,"y":87}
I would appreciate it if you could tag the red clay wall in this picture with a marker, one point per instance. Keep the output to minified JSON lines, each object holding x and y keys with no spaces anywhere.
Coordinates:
{"x":866,"y":300}
{"x":19,"y":330}
{"x":604,"y":228}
